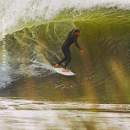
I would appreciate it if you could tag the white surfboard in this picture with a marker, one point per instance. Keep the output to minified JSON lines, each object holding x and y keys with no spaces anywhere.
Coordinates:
{"x":59,"y":70}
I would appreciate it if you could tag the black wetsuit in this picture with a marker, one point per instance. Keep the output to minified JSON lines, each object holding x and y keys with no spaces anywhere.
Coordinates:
{"x":65,"y":48}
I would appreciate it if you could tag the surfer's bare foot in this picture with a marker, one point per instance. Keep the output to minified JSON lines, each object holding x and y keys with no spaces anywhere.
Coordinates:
{"x":65,"y":70}
{"x":57,"y":65}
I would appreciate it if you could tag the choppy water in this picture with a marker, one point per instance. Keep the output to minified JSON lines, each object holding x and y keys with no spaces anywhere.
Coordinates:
{"x":35,"y":31}
{"x":31,"y":115}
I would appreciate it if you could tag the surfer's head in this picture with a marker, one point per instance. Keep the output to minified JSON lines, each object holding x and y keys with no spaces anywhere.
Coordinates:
{"x":77,"y":32}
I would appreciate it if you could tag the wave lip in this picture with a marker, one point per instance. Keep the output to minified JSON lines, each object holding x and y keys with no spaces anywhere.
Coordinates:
{"x":19,"y":13}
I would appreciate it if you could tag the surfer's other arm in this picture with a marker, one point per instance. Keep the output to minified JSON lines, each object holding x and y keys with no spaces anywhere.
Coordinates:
{"x":77,"y":45}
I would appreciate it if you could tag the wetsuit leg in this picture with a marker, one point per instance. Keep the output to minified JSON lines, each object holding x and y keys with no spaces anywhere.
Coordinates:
{"x":67,"y":55}
{"x":65,"y":58}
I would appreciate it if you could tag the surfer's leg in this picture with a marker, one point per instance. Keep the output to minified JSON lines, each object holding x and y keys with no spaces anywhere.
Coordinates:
{"x":63,"y":60}
{"x":68,"y":55}
{"x":65,"y":54}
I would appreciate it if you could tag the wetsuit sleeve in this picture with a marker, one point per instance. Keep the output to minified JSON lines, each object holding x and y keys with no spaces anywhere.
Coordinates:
{"x":70,"y":33}
{"x":77,"y":45}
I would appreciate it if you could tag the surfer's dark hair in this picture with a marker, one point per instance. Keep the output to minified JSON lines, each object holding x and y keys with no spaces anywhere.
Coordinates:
{"x":76,"y":30}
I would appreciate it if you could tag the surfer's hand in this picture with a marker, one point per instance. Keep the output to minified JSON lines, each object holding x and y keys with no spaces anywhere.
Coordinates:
{"x":82,"y":51}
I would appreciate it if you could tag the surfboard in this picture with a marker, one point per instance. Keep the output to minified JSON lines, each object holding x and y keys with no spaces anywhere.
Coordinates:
{"x":59,"y":70}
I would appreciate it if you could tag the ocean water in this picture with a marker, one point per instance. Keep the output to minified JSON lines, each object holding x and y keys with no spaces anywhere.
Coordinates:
{"x":31,"y":36}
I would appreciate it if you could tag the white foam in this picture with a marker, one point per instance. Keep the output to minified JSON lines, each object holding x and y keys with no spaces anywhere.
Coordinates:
{"x":37,"y":10}
{"x":5,"y":78}
{"x":34,"y":69}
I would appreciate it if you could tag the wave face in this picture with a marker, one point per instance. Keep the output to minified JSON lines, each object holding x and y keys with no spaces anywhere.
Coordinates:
{"x":36,"y":30}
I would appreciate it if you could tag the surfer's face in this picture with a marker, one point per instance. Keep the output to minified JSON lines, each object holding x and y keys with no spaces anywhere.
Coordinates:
{"x":77,"y":33}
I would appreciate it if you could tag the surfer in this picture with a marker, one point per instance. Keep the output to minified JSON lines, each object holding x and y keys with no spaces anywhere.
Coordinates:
{"x":72,"y":38}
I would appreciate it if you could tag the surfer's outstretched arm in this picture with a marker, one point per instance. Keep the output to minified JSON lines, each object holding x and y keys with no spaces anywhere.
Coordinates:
{"x":76,"y":43}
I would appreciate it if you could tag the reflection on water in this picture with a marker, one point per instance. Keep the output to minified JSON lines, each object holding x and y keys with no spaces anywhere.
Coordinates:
{"x":32,"y":115}
{"x":59,"y":88}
